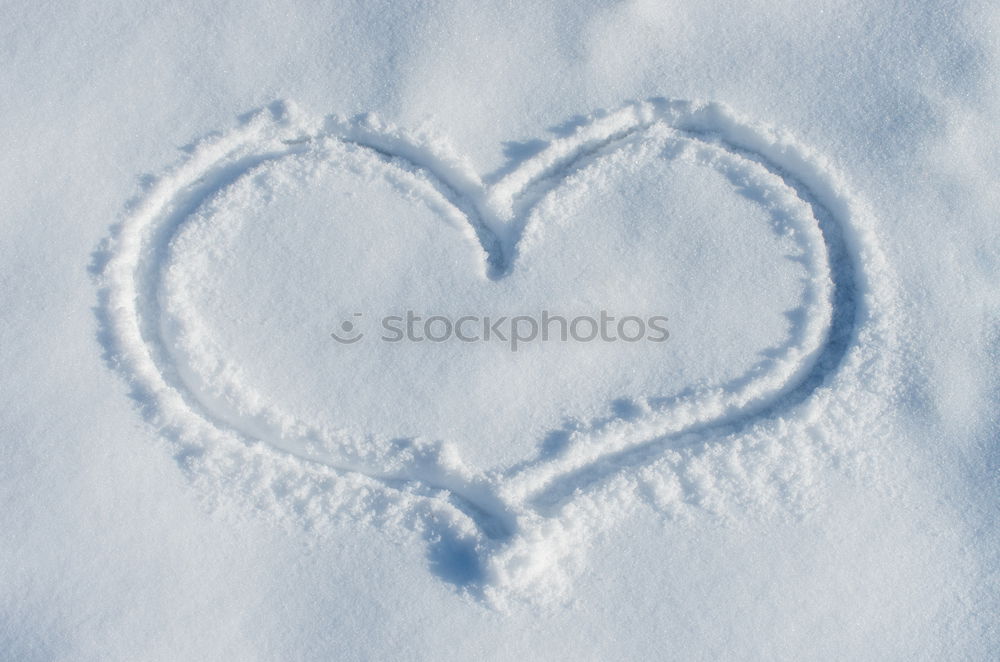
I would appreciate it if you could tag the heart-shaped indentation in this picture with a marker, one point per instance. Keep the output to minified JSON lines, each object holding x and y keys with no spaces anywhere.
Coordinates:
{"x":224,"y":285}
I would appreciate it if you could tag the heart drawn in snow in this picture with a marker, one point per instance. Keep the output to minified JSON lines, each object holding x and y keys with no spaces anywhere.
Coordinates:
{"x":223,"y":285}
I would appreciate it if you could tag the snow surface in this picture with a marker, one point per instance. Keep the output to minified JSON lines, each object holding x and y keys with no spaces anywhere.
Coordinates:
{"x":195,"y":197}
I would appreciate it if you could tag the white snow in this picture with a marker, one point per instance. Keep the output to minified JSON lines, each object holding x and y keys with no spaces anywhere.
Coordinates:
{"x":195,"y":197}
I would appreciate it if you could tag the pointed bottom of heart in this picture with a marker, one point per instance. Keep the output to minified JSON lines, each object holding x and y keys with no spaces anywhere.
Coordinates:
{"x":214,"y":285}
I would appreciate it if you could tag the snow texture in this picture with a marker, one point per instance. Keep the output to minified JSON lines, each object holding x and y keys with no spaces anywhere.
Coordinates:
{"x":193,"y":468}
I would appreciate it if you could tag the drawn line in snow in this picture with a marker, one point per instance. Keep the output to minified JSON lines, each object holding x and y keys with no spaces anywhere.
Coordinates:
{"x":500,"y":523}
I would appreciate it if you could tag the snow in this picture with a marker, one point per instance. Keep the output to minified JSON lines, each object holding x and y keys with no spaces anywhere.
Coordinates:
{"x":195,"y":197}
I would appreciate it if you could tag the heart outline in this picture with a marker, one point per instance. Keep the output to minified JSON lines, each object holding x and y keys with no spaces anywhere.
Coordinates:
{"x":497,"y":524}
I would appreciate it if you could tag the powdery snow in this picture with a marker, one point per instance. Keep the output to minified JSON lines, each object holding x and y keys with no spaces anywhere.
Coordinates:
{"x":195,"y":468}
